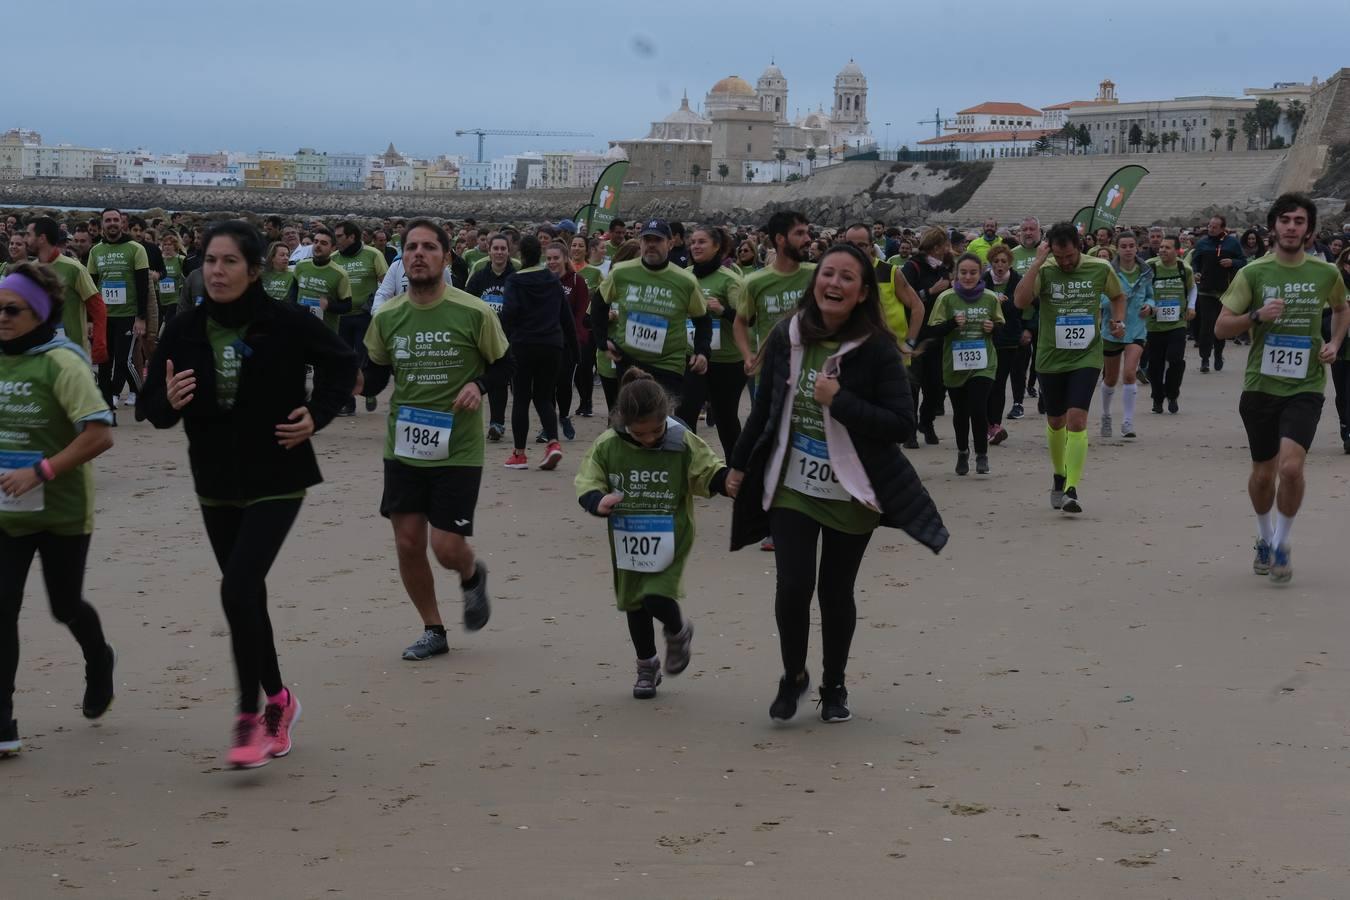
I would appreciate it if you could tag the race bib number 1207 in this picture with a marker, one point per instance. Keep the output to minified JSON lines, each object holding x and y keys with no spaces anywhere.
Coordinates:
{"x":643,"y":543}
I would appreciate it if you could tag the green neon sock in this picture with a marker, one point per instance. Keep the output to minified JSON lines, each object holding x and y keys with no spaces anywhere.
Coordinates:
{"x":1054,"y":438}
{"x":1075,"y":457}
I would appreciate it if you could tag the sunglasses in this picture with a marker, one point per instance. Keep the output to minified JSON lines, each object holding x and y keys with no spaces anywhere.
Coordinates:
{"x":12,"y":310}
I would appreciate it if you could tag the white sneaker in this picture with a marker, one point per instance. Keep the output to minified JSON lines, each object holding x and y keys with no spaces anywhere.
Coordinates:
{"x":131,"y":399}
{"x":1106,"y":426}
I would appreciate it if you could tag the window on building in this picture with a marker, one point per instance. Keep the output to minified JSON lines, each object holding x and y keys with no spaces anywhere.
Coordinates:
{"x":747,"y":148}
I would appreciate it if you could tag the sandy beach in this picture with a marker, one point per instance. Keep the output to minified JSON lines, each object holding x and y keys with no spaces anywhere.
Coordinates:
{"x":1104,"y":706}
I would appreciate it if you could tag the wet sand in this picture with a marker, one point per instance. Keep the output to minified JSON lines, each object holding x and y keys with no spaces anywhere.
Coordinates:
{"x":1104,"y":706}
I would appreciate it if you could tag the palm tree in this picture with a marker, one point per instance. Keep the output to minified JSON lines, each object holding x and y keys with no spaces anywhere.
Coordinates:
{"x":1152,"y":141}
{"x":1230,"y":134}
{"x":780,"y":155}
{"x":1250,"y":128}
{"x":1214,"y":134}
{"x":1083,"y":138}
{"x":1267,"y":117}
{"x":811,"y":157}
{"x":1136,"y":136}
{"x":1295,"y":113}
{"x":723,"y":170}
{"x":1070,"y":134}
{"x":1173,"y":137}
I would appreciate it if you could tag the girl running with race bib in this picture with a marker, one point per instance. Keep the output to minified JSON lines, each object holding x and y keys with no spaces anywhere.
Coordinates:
{"x":642,"y":474}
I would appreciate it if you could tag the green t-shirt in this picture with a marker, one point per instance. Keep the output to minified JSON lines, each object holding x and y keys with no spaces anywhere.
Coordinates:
{"x":770,"y":295}
{"x":277,"y":284}
{"x":76,"y":289}
{"x":808,"y":484}
{"x":435,"y":351}
{"x":1171,"y":287}
{"x":1022,"y":258}
{"x":365,"y":271}
{"x":471,"y":257}
{"x":1283,"y":358}
{"x":113,"y":267}
{"x":898,"y":261}
{"x":321,"y":282}
{"x":651,"y":531}
{"x":1070,"y":330}
{"x":967,"y":352}
{"x":45,"y":399}
{"x":225,"y":347}
{"x":592,"y":276}
{"x":653,"y":307}
{"x":170,"y":281}
{"x":729,"y":290}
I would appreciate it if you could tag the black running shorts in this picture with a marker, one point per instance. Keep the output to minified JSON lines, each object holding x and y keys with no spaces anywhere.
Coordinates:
{"x":1063,"y":391}
{"x":446,"y":495}
{"x":1269,"y":419}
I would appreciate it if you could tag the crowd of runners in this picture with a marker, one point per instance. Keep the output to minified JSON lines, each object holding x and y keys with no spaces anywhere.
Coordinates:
{"x":850,"y":344}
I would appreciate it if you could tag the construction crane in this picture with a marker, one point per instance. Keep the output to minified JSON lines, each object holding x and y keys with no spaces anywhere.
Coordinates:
{"x":483,"y":132}
{"x":937,"y":122}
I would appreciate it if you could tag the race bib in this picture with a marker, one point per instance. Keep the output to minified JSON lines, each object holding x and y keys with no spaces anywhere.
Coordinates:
{"x":114,"y":293}
{"x":969,"y":356}
{"x":422,"y":434}
{"x":716,"y":333}
{"x":1167,"y":312}
{"x":809,"y":471}
{"x":494,"y":301}
{"x":167,"y":286}
{"x":643,"y":543}
{"x":313,"y":304}
{"x":11,"y":460}
{"x":1074,"y":332}
{"x":646,"y":332}
{"x":1286,"y":355}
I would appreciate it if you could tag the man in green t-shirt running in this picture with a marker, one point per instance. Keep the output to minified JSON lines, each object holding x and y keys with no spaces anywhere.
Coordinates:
{"x":365,"y":267}
{"x":121,"y":270}
{"x":444,"y":349}
{"x":1279,"y":298}
{"x":773,"y":292}
{"x":1069,"y":355}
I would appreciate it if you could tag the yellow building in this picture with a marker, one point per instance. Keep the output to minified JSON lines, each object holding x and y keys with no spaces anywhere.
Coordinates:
{"x":271,"y":174}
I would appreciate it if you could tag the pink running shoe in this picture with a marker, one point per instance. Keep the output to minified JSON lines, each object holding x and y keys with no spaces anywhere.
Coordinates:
{"x":250,"y":746}
{"x":517,"y":460}
{"x":278,"y":720}
{"x":552,"y":456}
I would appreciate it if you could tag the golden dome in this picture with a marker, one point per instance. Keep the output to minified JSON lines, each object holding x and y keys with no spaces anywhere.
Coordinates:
{"x":733,"y":84}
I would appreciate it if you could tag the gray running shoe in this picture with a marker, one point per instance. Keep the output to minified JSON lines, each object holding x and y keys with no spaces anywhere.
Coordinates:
{"x":1106,"y":426}
{"x":1057,"y":493}
{"x":477,"y":607}
{"x":1281,"y":565}
{"x":677,"y":648}
{"x":1071,"y":504}
{"x":1261,"y":562}
{"x":428,"y":645}
{"x":648,"y":677}
{"x":1127,"y":430}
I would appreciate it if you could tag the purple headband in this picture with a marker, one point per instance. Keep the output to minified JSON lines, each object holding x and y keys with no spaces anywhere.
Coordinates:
{"x":38,"y":300}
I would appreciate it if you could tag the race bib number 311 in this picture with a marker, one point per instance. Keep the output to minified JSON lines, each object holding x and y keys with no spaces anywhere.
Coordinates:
{"x":422,"y":434}
{"x":643,"y":543}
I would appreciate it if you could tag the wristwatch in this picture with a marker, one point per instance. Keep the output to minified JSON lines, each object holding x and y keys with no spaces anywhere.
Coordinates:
{"x":1255,"y":316}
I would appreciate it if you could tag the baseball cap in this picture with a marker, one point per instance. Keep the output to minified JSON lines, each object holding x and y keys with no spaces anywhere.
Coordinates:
{"x":567,"y":225}
{"x":657,"y":227}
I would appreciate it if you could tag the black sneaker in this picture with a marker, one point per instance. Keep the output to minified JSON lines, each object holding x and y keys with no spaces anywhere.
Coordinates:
{"x":9,"y":738}
{"x":541,"y":438}
{"x":372,"y":403}
{"x":833,"y":704}
{"x":1031,"y":391}
{"x":1017,"y":411}
{"x":1157,"y":407}
{"x":1142,"y":376}
{"x":1173,"y":407}
{"x":1204,"y":367}
{"x":1040,"y":405}
{"x":568,"y":430}
{"x":912,"y":444}
{"x":348,"y":408}
{"x":98,"y":684}
{"x":962,"y":463}
{"x":981,"y":464}
{"x":477,"y":607}
{"x":1218,"y":363}
{"x":930,"y":435}
{"x":1071,"y":504}
{"x":784,"y":706}
{"x":495,"y":431}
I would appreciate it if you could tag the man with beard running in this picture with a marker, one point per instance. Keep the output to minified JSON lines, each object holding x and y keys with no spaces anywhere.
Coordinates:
{"x":121,"y":270}
{"x":444,"y":349}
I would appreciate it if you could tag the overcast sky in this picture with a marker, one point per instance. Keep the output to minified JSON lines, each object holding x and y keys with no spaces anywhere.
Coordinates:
{"x":352,"y":76}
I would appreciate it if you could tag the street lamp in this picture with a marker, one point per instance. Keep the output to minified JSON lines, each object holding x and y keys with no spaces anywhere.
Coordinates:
{"x":1014,"y":153}
{"x":886,"y":145}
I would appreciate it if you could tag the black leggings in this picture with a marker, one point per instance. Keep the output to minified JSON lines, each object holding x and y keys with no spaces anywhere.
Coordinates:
{"x":497,"y":404}
{"x":970,"y":413}
{"x":795,"y":537}
{"x":640,"y":627}
{"x":536,"y":380}
{"x":584,"y":379}
{"x":563,"y":392}
{"x":1008,"y":358}
{"x":113,"y":374}
{"x":1166,"y":363}
{"x":63,"y":558}
{"x":1207,"y":309}
{"x":246,"y":541}
{"x":926,"y":375}
{"x":1340,"y":380}
{"x":352,"y":330}
{"x":722,"y":386}
{"x":610,"y":387}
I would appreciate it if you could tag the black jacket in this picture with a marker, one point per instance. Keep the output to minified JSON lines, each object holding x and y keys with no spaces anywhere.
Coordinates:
{"x":234,"y":453}
{"x":1210,"y":277}
{"x":1010,"y":333}
{"x":484,"y":279}
{"x":874,"y":403}
{"x":535,"y":311}
{"x":921,"y":276}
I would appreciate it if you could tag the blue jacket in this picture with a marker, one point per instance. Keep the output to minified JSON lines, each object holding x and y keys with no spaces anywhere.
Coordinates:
{"x":1210,"y":277}
{"x":1137,"y":296}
